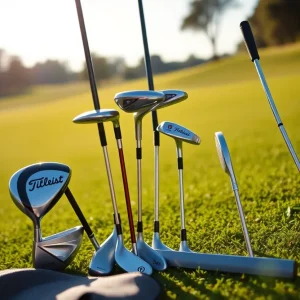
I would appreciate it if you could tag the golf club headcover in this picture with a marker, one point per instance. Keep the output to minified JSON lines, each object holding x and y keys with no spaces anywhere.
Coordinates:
{"x":33,"y":284}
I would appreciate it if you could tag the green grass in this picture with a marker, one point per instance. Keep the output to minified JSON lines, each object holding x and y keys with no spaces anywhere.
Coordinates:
{"x":224,"y":96}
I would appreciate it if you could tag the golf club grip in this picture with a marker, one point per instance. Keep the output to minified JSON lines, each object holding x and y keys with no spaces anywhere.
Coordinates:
{"x":79,"y":213}
{"x":87,"y":53}
{"x":262,"y":266}
{"x":127,"y":196}
{"x":249,"y":40}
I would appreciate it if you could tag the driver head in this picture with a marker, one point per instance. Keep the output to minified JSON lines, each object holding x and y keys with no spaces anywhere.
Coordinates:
{"x":178,"y":132}
{"x":98,"y":116}
{"x":35,"y":189}
{"x":172,"y":97}
{"x":223,"y":153}
{"x":136,"y":101}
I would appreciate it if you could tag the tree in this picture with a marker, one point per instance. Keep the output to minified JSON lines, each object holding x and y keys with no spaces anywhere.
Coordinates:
{"x":205,"y":15}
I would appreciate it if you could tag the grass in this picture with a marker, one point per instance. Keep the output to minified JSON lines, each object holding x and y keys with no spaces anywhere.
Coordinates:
{"x":224,"y":96}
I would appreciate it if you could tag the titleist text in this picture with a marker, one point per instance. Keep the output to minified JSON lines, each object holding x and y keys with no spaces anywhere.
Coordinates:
{"x":44,"y":181}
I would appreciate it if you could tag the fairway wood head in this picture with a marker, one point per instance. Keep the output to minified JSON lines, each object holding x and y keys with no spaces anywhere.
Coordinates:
{"x":157,"y":244}
{"x":128,"y":261}
{"x":178,"y":132}
{"x":57,"y":251}
{"x":156,"y":261}
{"x":35,"y":189}
{"x":103,"y":260}
{"x":172,"y":97}
{"x":223,"y":153}
{"x":135,"y":101}
{"x":98,"y":116}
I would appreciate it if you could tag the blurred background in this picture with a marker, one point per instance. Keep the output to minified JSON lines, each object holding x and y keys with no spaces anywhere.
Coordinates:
{"x":41,"y":44}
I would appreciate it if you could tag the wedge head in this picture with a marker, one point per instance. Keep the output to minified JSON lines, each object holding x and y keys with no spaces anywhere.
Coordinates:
{"x":97,"y":116}
{"x":35,"y":189}
{"x":135,"y":101}
{"x":57,"y":251}
{"x":178,"y":132}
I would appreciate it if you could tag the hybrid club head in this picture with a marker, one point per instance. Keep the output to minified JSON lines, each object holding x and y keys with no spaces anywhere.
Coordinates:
{"x":128,"y":261}
{"x":35,"y":189}
{"x":135,"y":101}
{"x":98,"y":116}
{"x":103,"y":260}
{"x":145,"y":252}
{"x":172,"y":97}
{"x":178,"y":132}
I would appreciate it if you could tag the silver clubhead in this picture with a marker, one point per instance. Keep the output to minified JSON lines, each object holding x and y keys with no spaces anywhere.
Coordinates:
{"x":103,"y":260}
{"x":57,"y":251}
{"x":35,"y":189}
{"x":128,"y":261}
{"x":178,"y":132}
{"x":134,"y":101}
{"x":172,"y":97}
{"x":97,"y":116}
{"x":149,"y":255}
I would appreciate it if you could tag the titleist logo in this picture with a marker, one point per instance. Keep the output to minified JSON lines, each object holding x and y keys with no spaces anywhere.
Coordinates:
{"x":182,"y":131}
{"x":44,"y":181}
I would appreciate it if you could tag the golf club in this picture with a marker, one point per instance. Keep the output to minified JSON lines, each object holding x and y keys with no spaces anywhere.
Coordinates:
{"x":225,"y":160}
{"x":254,"y":56}
{"x":114,"y":242}
{"x":180,"y":134}
{"x":141,"y":102}
{"x":35,"y":189}
{"x":126,"y":260}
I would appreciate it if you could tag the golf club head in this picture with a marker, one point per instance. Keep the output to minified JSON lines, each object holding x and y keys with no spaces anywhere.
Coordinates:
{"x":135,"y":101}
{"x":157,"y":244}
{"x":98,"y":116}
{"x":224,"y":155}
{"x":172,"y":97}
{"x":178,"y":132}
{"x":103,"y":260}
{"x":149,"y":255}
{"x":35,"y":189}
{"x":128,"y":261}
{"x":184,"y":247}
{"x":57,"y":251}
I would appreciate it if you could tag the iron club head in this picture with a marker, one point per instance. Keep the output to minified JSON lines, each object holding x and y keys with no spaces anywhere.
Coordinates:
{"x":172,"y":97}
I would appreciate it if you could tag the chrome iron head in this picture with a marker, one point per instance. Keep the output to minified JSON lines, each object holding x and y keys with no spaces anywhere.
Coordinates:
{"x":98,"y":116}
{"x":178,"y":132}
{"x":172,"y":97}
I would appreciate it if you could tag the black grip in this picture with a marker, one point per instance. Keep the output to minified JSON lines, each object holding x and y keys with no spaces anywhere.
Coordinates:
{"x":79,"y":213}
{"x":249,"y":40}
{"x":118,"y":134}
{"x":102,"y":135}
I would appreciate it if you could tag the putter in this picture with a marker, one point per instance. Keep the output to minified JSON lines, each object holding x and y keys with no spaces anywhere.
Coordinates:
{"x":225,"y":160}
{"x":180,"y":134}
{"x":254,"y":56}
{"x":141,"y":102}
{"x":128,"y":261}
{"x":112,"y":247}
{"x":35,"y":189}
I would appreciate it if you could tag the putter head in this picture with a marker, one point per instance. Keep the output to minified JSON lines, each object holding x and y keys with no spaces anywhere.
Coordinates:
{"x":128,"y":261}
{"x":98,"y":116}
{"x":223,"y":153}
{"x":35,"y":189}
{"x":103,"y":260}
{"x":157,"y":244}
{"x":172,"y":97}
{"x":178,"y":132}
{"x":57,"y":251}
{"x":136,"y":101}
{"x":149,"y":255}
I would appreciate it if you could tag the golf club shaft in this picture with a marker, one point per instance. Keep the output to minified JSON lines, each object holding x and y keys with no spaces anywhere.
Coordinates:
{"x":181,"y":189}
{"x":82,"y":219}
{"x":242,"y":218}
{"x":275,"y":113}
{"x":262,"y":266}
{"x":96,"y":102}
{"x":253,"y":53}
{"x":118,"y":136}
{"x":149,"y":76}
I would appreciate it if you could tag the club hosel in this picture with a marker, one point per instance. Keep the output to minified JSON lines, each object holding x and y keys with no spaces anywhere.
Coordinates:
{"x":94,"y":242}
{"x":138,"y":130}
{"x":37,"y":236}
{"x":234,"y":183}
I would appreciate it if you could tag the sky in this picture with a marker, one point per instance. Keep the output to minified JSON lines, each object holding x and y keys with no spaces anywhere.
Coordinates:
{"x":37,"y":30}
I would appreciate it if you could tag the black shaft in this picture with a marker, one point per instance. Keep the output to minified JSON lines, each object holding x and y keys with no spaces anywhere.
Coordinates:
{"x":148,"y":68}
{"x":79,"y":213}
